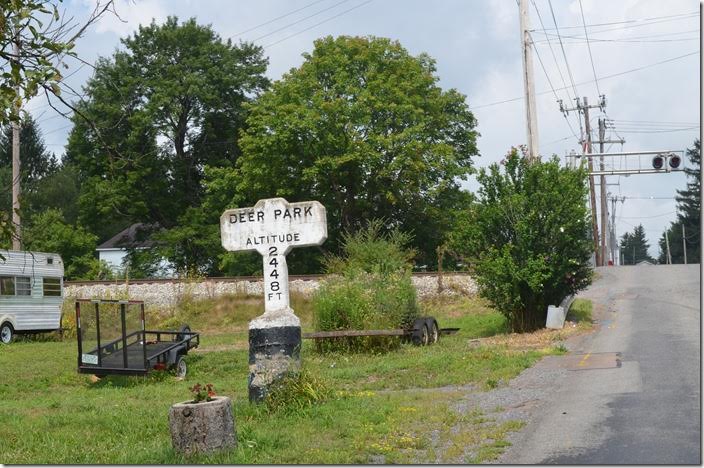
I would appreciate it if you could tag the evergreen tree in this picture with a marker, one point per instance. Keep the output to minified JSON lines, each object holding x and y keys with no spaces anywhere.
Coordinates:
{"x":634,"y":247}
{"x":689,"y":207}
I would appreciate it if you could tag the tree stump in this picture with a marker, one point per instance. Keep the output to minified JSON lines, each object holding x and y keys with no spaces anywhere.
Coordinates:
{"x":202,"y":427}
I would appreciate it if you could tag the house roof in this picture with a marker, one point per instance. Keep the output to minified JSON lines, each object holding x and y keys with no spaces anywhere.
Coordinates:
{"x":134,"y":236}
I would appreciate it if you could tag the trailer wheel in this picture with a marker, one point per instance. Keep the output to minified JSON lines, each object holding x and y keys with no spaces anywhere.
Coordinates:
{"x":6,"y":333}
{"x":183,"y":333}
{"x":420,"y":333}
{"x":433,"y":330}
{"x":181,"y":368}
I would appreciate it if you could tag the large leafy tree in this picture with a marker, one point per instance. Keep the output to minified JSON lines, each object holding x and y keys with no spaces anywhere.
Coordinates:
{"x":689,"y":214}
{"x":46,"y":40}
{"x":527,"y":237}
{"x":363,"y":127}
{"x":634,"y":247}
{"x":157,"y":112}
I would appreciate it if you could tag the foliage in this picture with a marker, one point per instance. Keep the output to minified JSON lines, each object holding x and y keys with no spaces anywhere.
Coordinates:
{"x":37,"y":25}
{"x":297,"y":391}
{"x":527,"y":237}
{"x":634,"y":247}
{"x":689,"y":215}
{"x":179,"y":83}
{"x":202,"y":393}
{"x":49,"y":232}
{"x":363,"y":127}
{"x":371,"y":288}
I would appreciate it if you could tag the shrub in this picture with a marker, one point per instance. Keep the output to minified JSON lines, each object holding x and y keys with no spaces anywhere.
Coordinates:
{"x":370,"y":288}
{"x":527,"y":237}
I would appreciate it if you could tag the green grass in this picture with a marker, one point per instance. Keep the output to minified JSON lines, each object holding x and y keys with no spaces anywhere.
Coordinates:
{"x":377,"y":405}
{"x":580,"y":311}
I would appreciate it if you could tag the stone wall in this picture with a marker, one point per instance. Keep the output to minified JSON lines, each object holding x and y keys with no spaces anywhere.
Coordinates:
{"x":166,"y":293}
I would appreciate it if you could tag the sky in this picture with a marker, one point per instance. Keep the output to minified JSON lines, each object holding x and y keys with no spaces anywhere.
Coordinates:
{"x":643,"y":55}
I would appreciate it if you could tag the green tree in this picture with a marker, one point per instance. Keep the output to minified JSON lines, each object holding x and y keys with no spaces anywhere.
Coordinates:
{"x":35,"y":161}
{"x":527,"y":237}
{"x":179,"y":84}
{"x":49,"y":232}
{"x":634,"y":247}
{"x":47,"y":39}
{"x":363,"y":127}
{"x":689,"y":214}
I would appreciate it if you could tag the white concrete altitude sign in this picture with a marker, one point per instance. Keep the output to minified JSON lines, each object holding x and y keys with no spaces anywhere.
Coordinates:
{"x":273,"y":227}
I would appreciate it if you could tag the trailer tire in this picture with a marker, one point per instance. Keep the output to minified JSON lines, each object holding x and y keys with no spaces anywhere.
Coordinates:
{"x":433,"y":330}
{"x":420,"y":333}
{"x":6,"y":333}
{"x":180,"y":367}
{"x":183,"y":333}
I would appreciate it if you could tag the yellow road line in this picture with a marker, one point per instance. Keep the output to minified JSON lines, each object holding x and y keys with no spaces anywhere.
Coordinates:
{"x":584,"y":359}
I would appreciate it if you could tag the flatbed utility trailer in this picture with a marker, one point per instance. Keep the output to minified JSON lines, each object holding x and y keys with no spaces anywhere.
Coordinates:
{"x":425,"y":331}
{"x":127,"y":347}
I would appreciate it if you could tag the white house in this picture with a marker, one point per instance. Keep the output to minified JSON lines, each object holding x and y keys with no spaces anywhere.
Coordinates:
{"x":114,"y":250}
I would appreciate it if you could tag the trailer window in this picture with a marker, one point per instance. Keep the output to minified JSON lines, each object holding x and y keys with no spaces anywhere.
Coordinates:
{"x":23,"y":286}
{"x":7,"y":285}
{"x":52,"y":286}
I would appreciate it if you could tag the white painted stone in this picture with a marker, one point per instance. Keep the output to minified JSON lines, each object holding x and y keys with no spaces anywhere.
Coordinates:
{"x":556,"y":317}
{"x":273,"y":227}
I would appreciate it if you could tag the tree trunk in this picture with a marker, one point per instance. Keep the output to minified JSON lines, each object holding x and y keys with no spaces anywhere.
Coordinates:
{"x":202,"y":427}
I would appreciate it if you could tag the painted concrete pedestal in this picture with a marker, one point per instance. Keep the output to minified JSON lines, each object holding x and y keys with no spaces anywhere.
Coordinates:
{"x":274,"y":351}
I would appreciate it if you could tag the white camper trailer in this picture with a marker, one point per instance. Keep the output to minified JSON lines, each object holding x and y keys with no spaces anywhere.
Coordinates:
{"x":31,"y":292}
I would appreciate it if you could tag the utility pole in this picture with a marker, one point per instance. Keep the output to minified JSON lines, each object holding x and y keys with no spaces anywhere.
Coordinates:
{"x":16,"y":222}
{"x":684,"y":245}
{"x":528,"y":83}
{"x":602,"y":194}
{"x":612,"y":233}
{"x":587,"y":148}
{"x":667,"y":242}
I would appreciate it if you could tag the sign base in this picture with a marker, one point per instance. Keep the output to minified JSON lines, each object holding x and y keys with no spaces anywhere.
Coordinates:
{"x":274,"y":352}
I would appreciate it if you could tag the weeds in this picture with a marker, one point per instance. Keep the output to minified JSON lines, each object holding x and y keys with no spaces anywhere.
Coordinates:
{"x":296,"y":392}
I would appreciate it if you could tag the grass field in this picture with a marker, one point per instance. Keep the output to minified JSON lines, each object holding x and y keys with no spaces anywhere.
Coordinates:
{"x":379,"y":407}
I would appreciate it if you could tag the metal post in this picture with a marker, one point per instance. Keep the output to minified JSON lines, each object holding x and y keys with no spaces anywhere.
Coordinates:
{"x":78,"y":333}
{"x":124,"y":334}
{"x":144,"y":337}
{"x":684,"y":245}
{"x":528,"y":83}
{"x":97,"y":334}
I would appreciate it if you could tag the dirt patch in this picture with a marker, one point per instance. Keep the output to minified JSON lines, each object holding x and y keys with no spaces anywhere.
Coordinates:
{"x":536,"y":340}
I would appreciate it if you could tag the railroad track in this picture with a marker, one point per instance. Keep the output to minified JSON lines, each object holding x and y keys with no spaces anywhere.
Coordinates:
{"x":230,"y":279}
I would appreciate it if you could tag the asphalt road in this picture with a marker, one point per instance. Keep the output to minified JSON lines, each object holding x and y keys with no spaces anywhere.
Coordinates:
{"x":630,"y":392}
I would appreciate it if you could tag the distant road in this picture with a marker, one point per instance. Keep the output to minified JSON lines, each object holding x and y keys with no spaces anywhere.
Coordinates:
{"x":633,"y":394}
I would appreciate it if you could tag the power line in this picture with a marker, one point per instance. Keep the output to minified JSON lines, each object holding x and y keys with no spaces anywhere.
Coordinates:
{"x":277,"y":18}
{"x":552,"y":51}
{"x":299,"y":21}
{"x":649,"y":217}
{"x":591,"y":59}
{"x":540,"y":60}
{"x":567,"y":64}
{"x":652,"y":20}
{"x":605,"y":77}
{"x":318,"y":24}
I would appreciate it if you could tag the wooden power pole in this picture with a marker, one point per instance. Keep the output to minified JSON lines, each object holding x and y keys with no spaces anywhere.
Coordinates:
{"x":16,"y":222}
{"x":684,"y":245}
{"x":528,"y":83}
